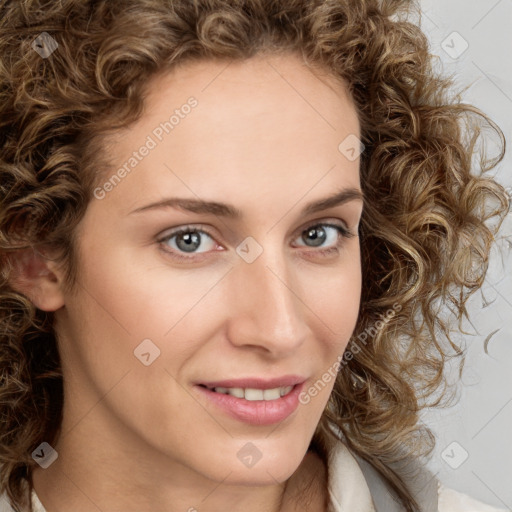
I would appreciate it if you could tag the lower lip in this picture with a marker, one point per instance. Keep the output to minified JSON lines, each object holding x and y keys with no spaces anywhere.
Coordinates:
{"x":257,"y":412}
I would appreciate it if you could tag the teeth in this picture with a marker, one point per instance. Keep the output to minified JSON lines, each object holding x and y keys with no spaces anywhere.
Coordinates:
{"x":238,"y":392}
{"x":285,"y":390}
{"x":255,"y":394}
{"x":271,"y":394}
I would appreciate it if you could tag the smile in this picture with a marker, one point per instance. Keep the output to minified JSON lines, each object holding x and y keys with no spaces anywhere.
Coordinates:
{"x":254,"y":406}
{"x":252,"y":394}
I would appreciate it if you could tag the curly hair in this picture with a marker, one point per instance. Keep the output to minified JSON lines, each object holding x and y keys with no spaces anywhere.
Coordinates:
{"x":425,"y":231}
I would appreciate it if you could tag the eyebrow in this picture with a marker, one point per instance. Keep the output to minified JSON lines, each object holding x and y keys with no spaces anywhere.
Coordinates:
{"x":226,"y":210}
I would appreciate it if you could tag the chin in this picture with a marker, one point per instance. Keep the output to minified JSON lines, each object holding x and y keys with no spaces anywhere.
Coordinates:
{"x":275,"y":465}
{"x":254,"y":467}
{"x":266,"y":474}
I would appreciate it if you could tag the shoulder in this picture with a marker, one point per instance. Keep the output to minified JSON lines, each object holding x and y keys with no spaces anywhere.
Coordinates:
{"x":451,"y":500}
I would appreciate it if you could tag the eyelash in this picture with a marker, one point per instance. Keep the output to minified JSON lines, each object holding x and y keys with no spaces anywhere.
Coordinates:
{"x":342,"y":230}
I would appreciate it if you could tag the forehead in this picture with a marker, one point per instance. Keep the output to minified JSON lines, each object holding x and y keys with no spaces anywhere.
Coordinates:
{"x":278,"y":84}
{"x":262,"y":122}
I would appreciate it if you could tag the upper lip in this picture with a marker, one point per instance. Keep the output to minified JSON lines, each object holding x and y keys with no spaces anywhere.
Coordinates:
{"x":255,"y":382}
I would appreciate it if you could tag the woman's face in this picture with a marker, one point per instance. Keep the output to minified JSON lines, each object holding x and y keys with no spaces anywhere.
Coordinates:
{"x":258,"y":301}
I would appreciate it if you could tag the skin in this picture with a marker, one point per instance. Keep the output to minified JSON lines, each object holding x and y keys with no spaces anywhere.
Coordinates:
{"x":264,"y":137}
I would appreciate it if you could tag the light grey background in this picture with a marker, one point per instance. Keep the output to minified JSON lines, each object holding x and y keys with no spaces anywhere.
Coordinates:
{"x":479,"y":426}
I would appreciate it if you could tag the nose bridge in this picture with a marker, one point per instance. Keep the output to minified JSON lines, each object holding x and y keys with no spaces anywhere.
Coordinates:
{"x":268,"y":310}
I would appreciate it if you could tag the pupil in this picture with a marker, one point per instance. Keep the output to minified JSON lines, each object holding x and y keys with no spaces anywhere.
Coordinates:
{"x":191,"y":241}
{"x":318,"y":240}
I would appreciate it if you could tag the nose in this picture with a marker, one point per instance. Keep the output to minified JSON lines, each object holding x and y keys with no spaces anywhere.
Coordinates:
{"x":268,"y":309}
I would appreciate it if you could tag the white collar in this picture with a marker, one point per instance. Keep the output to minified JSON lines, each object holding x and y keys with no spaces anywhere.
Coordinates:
{"x":348,"y":488}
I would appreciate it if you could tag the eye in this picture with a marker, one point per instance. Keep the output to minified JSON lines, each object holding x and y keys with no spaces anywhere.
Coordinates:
{"x":318,"y":234}
{"x":189,"y":239}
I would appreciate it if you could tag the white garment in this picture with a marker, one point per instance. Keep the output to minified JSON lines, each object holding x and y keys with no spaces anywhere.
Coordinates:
{"x":349,"y":491}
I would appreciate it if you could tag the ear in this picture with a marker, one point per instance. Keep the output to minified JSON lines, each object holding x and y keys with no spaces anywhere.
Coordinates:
{"x":37,"y":277}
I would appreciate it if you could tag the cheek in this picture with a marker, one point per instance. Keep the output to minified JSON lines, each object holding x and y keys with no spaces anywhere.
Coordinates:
{"x":117,"y":309}
{"x":337,"y":307}
{"x":336,"y":301}
{"x":143,"y":298}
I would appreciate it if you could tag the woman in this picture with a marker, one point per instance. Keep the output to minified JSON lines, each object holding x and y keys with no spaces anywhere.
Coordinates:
{"x":226,"y":229}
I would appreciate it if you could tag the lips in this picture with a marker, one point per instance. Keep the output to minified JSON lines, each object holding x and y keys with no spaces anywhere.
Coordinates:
{"x":251,"y":409}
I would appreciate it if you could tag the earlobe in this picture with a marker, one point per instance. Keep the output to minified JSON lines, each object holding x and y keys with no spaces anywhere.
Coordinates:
{"x":36,"y":277}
